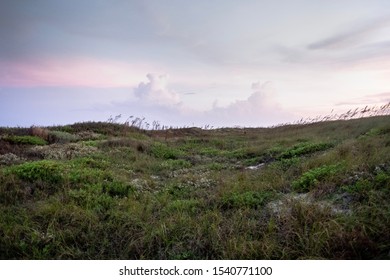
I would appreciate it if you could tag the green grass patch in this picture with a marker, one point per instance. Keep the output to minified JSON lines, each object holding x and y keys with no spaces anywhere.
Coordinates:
{"x":92,"y":143}
{"x":209,"y":151}
{"x":311,"y":178}
{"x":162,"y":151}
{"x":25,"y":140}
{"x":250,"y":199}
{"x":92,"y":198}
{"x":173,"y":164}
{"x":304,"y":149}
{"x":183,"y":205}
{"x":217,"y":166}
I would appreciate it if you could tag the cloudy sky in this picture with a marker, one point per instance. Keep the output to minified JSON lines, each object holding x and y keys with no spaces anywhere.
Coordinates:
{"x":204,"y":62}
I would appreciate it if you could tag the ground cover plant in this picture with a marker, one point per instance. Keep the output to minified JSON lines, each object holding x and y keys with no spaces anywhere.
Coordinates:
{"x":105,"y":190}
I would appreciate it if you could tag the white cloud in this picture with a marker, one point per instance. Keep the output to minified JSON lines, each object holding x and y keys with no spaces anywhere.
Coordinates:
{"x":156,"y":91}
{"x":157,"y":101}
{"x":259,"y":109}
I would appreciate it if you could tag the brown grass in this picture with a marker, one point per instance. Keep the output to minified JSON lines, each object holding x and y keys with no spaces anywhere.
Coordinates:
{"x":39,"y":132}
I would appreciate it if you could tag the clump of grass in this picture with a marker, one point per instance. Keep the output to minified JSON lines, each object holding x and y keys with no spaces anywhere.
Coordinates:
{"x":249,"y":199}
{"x":304,"y":149}
{"x":308,"y":231}
{"x":209,"y":151}
{"x":162,"y":151}
{"x":310,"y":179}
{"x":286,"y":163}
{"x":140,"y":146}
{"x":117,"y":189}
{"x":80,"y":177}
{"x":12,"y":190}
{"x":25,"y":140}
{"x":365,"y":186}
{"x":217,"y":166}
{"x":183,"y":205}
{"x":39,"y":132}
{"x":173,"y":164}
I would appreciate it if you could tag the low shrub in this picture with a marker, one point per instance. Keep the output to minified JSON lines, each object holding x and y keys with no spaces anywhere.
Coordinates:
{"x":44,"y":170}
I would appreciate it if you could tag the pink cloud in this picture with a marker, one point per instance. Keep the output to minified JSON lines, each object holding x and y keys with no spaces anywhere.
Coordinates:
{"x":74,"y":72}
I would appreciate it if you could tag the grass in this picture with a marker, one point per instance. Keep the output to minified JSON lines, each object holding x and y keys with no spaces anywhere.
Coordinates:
{"x":25,"y":140}
{"x":311,"y":178}
{"x":114,"y":191}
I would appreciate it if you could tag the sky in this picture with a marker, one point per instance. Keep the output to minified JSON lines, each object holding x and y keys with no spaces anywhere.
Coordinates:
{"x":219,"y":63}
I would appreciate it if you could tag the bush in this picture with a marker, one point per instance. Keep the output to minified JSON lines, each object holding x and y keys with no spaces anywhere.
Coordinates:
{"x":61,"y":137}
{"x":44,"y":170}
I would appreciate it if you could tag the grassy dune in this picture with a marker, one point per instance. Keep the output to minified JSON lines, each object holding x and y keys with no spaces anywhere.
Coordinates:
{"x":112,"y":191}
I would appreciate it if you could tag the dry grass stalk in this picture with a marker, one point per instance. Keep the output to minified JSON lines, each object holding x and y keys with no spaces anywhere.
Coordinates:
{"x":365,"y":112}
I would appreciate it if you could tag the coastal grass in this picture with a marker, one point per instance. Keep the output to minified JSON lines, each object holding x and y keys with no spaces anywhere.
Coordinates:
{"x":305,"y":191}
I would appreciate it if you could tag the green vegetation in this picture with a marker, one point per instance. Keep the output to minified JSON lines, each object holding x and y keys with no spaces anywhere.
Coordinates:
{"x":61,"y":137}
{"x":247,"y":199}
{"x":311,"y":178}
{"x":115,"y":191}
{"x":162,"y":151}
{"x":25,"y":140}
{"x":46,"y":171}
{"x":304,"y":149}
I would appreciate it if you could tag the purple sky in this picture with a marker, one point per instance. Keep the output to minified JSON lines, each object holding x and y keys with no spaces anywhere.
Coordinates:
{"x":184,"y":63}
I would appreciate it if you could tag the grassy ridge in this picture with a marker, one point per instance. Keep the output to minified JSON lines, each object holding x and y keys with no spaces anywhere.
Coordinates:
{"x":110,"y":191}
